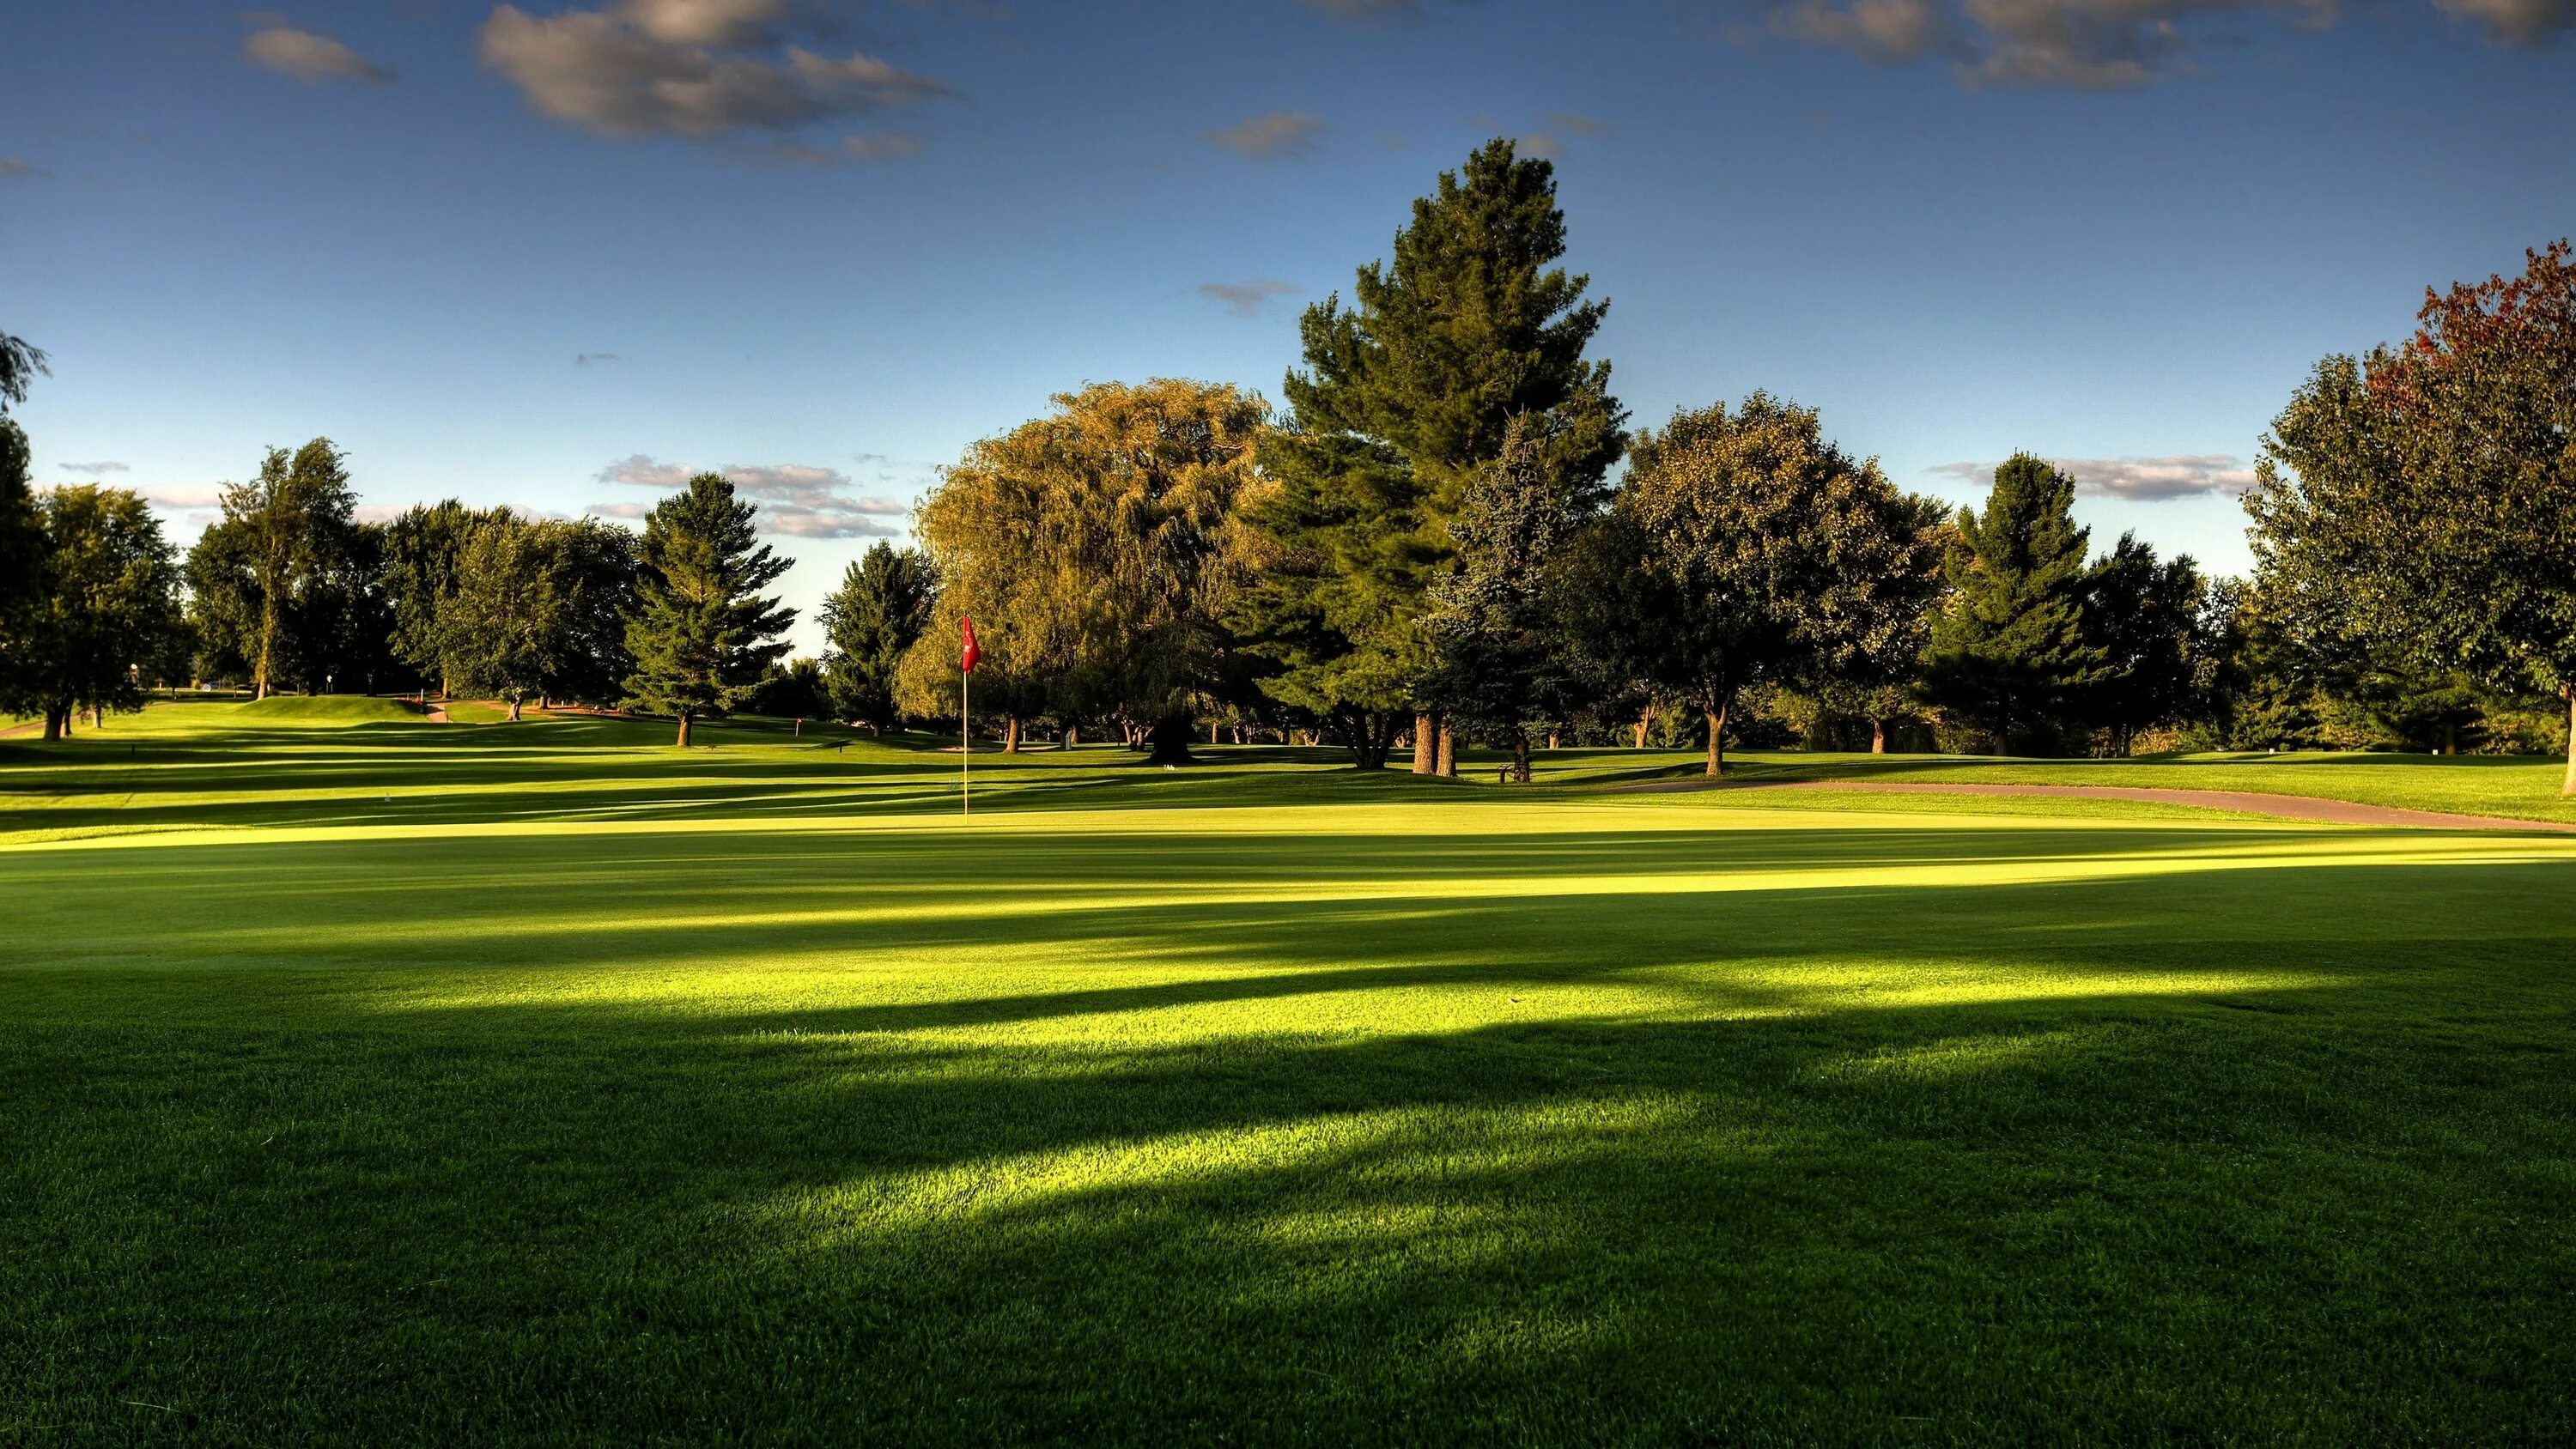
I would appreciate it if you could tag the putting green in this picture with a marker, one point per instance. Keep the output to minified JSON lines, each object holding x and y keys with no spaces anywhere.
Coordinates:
{"x":451,"y":1083}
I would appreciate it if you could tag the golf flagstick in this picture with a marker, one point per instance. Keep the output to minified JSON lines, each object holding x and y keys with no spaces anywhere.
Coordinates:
{"x":967,"y":654}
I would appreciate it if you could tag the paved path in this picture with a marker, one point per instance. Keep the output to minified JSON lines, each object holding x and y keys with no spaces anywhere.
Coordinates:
{"x":2287,"y":807}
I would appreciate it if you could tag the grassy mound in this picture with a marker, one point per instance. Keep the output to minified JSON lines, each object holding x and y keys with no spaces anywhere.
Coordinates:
{"x":322,"y":709}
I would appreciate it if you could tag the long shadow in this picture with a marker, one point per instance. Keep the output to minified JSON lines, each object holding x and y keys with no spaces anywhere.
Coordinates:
{"x":805,"y":1137}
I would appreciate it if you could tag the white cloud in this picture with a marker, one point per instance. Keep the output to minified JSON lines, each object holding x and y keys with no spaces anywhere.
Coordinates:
{"x":1276,"y":136}
{"x":798,"y":499}
{"x":695,"y":68}
{"x":2136,"y":480}
{"x":311,"y":58}
{"x":95,"y":470}
{"x":1244,"y":299}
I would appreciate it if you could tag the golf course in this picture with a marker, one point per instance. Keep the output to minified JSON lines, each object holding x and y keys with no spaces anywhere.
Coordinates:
{"x":379,"y":1080}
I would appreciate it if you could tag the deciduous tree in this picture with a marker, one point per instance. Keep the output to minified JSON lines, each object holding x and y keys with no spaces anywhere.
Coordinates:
{"x":1761,"y":552}
{"x":2428,"y":493}
{"x":111,"y":604}
{"x":1100,"y":544}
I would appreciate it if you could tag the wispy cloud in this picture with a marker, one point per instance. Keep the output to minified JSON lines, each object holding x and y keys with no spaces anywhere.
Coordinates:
{"x":2524,"y":23}
{"x":2136,"y":480}
{"x":593,"y":359}
{"x":2080,"y":44}
{"x":95,"y":470}
{"x":1244,"y":299}
{"x":697,"y":68}
{"x":797,"y":499}
{"x":1276,"y":136}
{"x":13,"y":168}
{"x":308,"y":57}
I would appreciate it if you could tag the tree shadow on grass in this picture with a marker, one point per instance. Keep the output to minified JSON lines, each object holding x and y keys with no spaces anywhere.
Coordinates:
{"x":2191,"y":1156}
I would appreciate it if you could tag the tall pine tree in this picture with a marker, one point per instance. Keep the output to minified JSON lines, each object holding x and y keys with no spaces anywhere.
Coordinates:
{"x":702,"y":635}
{"x":1468,"y":326}
{"x":2011,"y":654}
{"x":22,"y":529}
{"x":882,"y":605}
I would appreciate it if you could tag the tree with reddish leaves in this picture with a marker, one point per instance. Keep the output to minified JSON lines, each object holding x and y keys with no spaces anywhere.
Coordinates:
{"x":2426,"y":495}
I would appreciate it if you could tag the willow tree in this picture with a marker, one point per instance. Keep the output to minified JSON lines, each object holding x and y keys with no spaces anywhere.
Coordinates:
{"x":1099,"y":547}
{"x":1469,"y":325}
{"x":2425,"y":496}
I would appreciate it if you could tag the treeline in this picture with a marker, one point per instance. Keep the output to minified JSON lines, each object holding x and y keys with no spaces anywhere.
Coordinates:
{"x":1431,"y":546}
{"x":1435,"y":543}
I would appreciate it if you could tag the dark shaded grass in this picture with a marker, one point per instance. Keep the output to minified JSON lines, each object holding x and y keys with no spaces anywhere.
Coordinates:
{"x":270,"y":1179}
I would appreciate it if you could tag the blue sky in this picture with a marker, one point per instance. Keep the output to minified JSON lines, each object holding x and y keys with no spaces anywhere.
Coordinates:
{"x":547,"y":254}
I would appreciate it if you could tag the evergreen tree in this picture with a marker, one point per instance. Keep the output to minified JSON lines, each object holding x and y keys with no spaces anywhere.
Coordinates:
{"x":702,"y":636}
{"x":881,"y":607}
{"x":1343,"y":567}
{"x":1467,"y":327}
{"x":2145,"y":615}
{"x":22,"y":531}
{"x":2011,"y":654}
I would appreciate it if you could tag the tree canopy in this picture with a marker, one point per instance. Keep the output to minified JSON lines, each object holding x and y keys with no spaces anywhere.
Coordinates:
{"x":1098,"y":548}
{"x":2425,"y":496}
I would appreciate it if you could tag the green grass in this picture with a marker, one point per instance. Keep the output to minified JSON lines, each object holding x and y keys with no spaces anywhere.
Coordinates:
{"x":588,"y":1091}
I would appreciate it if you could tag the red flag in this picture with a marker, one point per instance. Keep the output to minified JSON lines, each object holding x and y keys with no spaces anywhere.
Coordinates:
{"x":966,"y":661}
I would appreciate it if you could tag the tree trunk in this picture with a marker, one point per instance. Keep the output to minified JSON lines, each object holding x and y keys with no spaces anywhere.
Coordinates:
{"x":1448,"y":760}
{"x":58,"y":723}
{"x":1010,"y":734}
{"x":1426,"y":745}
{"x":1170,"y":742}
{"x":684,"y":729}
{"x":2450,"y":738}
{"x":1213,"y":727}
{"x":514,"y":712}
{"x":1552,"y":737}
{"x":2568,"y":785}
{"x":1717,"y":740}
{"x":1520,"y":757}
{"x":1645,"y":717}
{"x":1878,"y":737}
{"x":1072,"y":736}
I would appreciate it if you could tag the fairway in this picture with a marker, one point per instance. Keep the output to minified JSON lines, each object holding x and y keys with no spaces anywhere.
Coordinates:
{"x":377,"y":1081}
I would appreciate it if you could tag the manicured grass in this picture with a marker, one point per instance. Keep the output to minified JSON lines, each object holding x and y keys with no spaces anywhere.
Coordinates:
{"x":588,"y":1091}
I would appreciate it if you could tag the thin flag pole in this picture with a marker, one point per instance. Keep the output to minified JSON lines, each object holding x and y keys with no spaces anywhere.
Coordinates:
{"x":965,"y":747}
